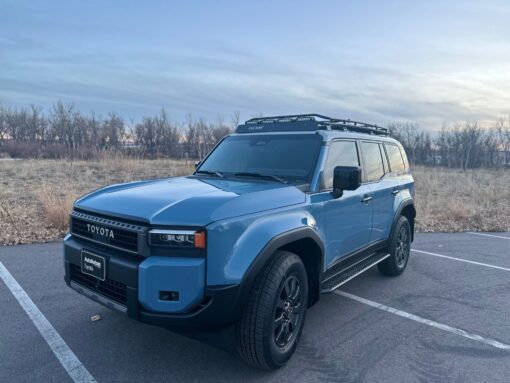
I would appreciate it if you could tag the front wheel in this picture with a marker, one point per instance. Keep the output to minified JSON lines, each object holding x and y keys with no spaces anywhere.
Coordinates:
{"x":400,"y":248}
{"x":271,"y":324}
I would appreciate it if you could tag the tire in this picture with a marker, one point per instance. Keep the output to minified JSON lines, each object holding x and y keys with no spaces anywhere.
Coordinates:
{"x":278,"y":301}
{"x":400,"y":248}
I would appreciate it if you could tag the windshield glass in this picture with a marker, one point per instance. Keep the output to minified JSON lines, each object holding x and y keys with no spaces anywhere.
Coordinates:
{"x":290,"y":157}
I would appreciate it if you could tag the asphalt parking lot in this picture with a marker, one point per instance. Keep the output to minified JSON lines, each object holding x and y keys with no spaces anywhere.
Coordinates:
{"x":446,"y":319}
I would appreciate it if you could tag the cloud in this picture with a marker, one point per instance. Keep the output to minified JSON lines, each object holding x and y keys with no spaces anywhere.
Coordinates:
{"x":407,"y":68}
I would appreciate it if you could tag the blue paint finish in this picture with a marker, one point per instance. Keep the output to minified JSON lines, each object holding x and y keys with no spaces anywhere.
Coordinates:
{"x":189,"y":201}
{"x":344,"y":224}
{"x":234,"y":244}
{"x":184,"y":275}
{"x":241,"y":216}
{"x":383,"y":206}
{"x":346,"y":220}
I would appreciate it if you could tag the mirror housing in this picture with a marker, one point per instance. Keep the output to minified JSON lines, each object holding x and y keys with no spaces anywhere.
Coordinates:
{"x":197,"y":163}
{"x":345,"y":178}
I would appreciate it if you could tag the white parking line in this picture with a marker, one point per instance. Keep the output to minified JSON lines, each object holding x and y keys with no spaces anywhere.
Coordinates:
{"x":64,"y":354}
{"x":428,"y":322}
{"x":461,"y":260}
{"x":488,"y":235}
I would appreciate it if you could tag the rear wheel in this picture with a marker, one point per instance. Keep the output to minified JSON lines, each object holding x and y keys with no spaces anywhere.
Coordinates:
{"x":400,"y":248}
{"x":270,"y":326}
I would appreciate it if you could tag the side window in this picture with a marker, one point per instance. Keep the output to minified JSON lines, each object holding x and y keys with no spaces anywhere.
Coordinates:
{"x":372,"y":159}
{"x":341,"y":153}
{"x":395,"y":157}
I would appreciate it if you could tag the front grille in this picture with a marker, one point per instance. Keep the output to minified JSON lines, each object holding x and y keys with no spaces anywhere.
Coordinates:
{"x":108,"y":288}
{"x":123,"y":236}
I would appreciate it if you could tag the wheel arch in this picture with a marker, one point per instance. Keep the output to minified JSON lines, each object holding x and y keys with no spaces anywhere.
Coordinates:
{"x":408,"y":210}
{"x":312,"y":256}
{"x":302,"y":241}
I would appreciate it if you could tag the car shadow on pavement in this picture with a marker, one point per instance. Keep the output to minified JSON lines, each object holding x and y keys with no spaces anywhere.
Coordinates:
{"x":128,"y":350}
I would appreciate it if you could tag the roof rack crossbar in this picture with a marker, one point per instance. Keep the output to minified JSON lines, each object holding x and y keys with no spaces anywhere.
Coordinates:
{"x":338,"y":124}
{"x":323,"y":122}
{"x":288,"y":118}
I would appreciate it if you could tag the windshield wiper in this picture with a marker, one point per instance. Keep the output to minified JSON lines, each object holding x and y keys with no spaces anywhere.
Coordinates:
{"x":211,"y":173}
{"x":258,"y":175}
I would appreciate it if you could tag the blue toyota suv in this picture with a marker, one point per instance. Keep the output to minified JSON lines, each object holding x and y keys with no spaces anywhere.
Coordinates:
{"x":281,"y":211}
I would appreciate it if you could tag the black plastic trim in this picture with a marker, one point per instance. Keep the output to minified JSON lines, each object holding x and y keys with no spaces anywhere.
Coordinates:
{"x":307,"y":122}
{"x":403,"y":204}
{"x":114,"y":223}
{"x":120,"y":268}
{"x":353,"y":258}
{"x":107,"y":215}
{"x":216,"y":311}
{"x":265,"y":255}
{"x":352,"y":271}
{"x":99,"y":298}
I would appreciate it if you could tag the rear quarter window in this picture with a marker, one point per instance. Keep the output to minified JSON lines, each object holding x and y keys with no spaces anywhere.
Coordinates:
{"x":404,"y":156}
{"x":395,"y":157}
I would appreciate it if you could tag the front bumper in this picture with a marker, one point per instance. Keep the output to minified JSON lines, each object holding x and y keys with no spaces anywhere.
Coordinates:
{"x":130,"y":289}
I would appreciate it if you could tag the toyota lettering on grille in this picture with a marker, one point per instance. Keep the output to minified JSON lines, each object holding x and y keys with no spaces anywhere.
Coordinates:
{"x":99,"y":230}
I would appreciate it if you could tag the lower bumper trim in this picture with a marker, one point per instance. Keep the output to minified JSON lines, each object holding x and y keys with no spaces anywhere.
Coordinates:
{"x":218,"y":311}
{"x":98,"y":298}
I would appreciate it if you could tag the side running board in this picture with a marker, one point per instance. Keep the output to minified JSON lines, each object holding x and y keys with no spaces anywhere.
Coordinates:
{"x":352,"y":271}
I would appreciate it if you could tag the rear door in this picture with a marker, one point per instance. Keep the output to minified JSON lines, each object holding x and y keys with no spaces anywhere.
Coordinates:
{"x":382,"y":186}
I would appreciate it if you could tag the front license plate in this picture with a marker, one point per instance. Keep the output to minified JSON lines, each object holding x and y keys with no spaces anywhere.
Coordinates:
{"x":93,"y":265}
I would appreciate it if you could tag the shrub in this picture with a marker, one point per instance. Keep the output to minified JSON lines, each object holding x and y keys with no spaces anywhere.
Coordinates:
{"x":56,"y":205}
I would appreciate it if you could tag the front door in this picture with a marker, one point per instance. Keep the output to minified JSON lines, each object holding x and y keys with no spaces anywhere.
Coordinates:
{"x":348,"y":219}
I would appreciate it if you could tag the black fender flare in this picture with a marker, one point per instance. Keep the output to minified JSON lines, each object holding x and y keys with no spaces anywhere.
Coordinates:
{"x":265,"y":255}
{"x":398,"y":213}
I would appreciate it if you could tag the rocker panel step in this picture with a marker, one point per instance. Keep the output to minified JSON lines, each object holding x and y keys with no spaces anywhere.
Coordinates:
{"x":349,"y":273}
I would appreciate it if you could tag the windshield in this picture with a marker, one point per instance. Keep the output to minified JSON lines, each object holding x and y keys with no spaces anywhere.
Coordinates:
{"x":288,"y":157}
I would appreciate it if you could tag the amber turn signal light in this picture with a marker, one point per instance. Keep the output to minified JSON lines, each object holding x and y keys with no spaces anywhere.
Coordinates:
{"x":200,"y":239}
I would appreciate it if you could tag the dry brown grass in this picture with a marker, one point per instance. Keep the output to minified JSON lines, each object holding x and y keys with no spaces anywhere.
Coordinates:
{"x":36,"y":195}
{"x":56,"y":203}
{"x":453,"y":200}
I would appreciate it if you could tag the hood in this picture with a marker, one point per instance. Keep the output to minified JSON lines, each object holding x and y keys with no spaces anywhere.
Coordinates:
{"x":189,"y":201}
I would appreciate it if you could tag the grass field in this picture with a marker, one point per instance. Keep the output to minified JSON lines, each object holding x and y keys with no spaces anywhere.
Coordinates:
{"x":453,"y":200}
{"x":36,"y":195}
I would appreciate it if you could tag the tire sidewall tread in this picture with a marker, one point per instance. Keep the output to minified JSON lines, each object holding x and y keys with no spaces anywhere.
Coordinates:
{"x":390,"y":266}
{"x":254,"y":335}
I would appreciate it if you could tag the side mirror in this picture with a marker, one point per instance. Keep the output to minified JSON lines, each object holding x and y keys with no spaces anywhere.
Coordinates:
{"x":197,"y":163}
{"x":345,"y":178}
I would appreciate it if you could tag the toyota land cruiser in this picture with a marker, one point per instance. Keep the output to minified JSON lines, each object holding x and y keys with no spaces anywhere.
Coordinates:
{"x":279,"y":212}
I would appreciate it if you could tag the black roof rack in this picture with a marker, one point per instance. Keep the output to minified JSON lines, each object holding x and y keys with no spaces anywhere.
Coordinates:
{"x":307,"y":122}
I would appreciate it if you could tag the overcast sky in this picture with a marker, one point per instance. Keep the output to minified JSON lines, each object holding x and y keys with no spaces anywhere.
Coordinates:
{"x":380,"y":61}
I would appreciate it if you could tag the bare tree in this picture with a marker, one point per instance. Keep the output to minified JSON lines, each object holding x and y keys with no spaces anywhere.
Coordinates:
{"x":408,"y":134}
{"x":65,"y":132}
{"x":503,"y":137}
{"x":112,"y":131}
{"x":3,"y":124}
{"x":236,"y":119}
{"x":63,"y":124}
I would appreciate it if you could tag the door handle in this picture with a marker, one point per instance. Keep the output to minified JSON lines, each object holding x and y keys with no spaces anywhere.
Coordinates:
{"x":395,"y":191}
{"x":366,"y":198}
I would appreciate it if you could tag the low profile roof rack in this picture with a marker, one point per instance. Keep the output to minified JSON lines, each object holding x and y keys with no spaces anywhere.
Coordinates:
{"x":307,"y":122}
